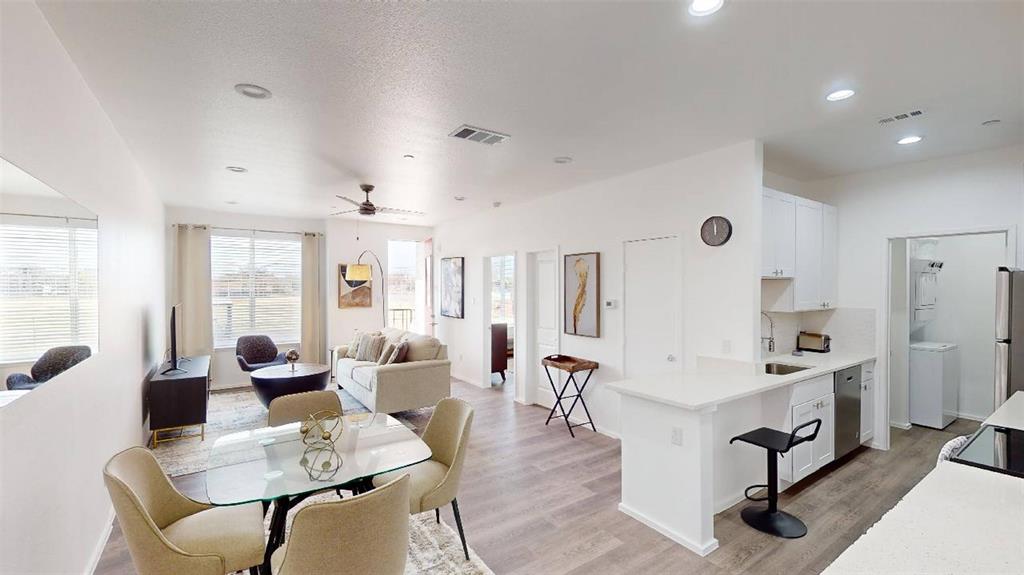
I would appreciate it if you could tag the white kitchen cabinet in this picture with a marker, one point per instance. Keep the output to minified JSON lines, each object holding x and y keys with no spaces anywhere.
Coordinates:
{"x":829,"y":255}
{"x":867,"y":402}
{"x":813,"y":284}
{"x":807,"y":294}
{"x":810,"y":456}
{"x":778,"y":241}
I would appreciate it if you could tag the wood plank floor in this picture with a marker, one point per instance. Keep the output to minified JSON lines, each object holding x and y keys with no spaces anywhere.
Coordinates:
{"x":534,"y":501}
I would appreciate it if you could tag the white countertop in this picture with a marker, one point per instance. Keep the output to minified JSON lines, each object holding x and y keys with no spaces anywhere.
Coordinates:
{"x":958,"y":519}
{"x":694,"y":390}
{"x":1010,"y":413}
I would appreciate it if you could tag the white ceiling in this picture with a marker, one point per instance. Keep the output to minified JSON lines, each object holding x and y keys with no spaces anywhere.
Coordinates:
{"x":617,"y":86}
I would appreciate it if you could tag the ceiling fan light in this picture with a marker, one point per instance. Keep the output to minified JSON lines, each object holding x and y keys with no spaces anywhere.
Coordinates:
{"x":357,"y":272}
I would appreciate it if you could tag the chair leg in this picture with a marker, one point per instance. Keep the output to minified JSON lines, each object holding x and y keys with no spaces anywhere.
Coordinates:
{"x":437,"y":514}
{"x":458,"y":522}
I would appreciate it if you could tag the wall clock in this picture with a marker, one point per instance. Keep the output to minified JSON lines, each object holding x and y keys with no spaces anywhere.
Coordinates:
{"x":716,"y":231}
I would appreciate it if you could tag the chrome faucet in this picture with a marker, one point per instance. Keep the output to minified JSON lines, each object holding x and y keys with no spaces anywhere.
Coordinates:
{"x":771,"y":333}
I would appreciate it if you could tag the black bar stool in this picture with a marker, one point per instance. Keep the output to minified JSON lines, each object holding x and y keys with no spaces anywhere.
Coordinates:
{"x":771,"y":520}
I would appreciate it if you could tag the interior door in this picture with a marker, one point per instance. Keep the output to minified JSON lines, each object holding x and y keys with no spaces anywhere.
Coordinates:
{"x":652,"y":307}
{"x":542,"y":301}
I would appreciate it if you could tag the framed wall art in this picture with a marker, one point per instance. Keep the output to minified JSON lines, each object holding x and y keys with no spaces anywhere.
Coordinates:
{"x":453,"y":296}
{"x":582,"y":298}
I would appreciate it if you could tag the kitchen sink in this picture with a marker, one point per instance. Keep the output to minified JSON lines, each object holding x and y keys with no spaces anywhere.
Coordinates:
{"x":782,"y":368}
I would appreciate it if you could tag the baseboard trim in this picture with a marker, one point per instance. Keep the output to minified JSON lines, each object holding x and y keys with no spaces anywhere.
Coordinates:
{"x":702,"y":550}
{"x":94,"y":560}
{"x":903,"y":426}
{"x":971,"y":417}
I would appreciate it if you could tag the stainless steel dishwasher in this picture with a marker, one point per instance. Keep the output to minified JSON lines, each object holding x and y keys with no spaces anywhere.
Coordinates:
{"x":848,"y":389}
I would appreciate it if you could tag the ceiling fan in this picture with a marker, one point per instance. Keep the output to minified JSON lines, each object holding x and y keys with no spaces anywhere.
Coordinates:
{"x":366,"y":208}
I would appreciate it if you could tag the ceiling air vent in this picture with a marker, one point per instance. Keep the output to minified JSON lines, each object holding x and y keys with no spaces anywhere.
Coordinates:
{"x":903,"y":116}
{"x":472,"y":134}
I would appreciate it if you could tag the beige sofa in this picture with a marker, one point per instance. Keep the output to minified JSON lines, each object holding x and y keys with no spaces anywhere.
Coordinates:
{"x":421,"y":381}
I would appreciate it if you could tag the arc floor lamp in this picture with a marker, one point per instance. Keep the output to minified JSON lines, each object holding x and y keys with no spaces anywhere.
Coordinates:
{"x":364,"y":272}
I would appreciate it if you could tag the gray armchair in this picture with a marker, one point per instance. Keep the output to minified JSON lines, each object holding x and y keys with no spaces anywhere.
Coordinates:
{"x":256,"y":351}
{"x":54,"y":361}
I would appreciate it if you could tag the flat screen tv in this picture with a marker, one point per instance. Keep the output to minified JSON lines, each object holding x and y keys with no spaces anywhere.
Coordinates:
{"x":175,"y":358}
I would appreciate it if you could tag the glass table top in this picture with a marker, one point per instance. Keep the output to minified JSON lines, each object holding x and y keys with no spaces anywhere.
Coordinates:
{"x":271,"y":462}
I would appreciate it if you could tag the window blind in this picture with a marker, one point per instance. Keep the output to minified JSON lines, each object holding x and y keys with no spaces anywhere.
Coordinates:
{"x":48,"y":294}
{"x":257,"y":287}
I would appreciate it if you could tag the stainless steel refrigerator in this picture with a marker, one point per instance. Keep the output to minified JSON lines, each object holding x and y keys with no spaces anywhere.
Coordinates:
{"x":1009,"y":333}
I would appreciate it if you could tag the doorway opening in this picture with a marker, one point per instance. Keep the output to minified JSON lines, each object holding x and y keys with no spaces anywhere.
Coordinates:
{"x":941,"y":318}
{"x":406,"y":286}
{"x":502,"y":320}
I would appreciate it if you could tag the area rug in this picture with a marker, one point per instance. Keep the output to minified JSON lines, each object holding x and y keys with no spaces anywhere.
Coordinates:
{"x":240,"y":410}
{"x":434,"y":548}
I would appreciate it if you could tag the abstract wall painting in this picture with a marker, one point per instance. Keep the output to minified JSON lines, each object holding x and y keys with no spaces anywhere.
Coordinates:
{"x":453,"y":296}
{"x":353,"y":293}
{"x":582,"y":297}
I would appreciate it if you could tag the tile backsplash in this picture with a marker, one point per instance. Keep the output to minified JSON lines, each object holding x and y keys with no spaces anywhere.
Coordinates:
{"x":852,"y":329}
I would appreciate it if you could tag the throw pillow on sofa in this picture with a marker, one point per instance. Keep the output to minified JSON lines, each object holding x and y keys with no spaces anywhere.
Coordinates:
{"x":398,"y":354}
{"x":353,"y":347}
{"x":385,"y":355}
{"x":370,"y":346}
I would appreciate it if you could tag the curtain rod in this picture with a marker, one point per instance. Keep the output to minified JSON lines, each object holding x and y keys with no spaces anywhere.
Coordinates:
{"x":250,"y":230}
{"x":65,"y":218}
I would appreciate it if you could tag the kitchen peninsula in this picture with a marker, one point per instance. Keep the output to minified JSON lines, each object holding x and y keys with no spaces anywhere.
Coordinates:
{"x":678,"y":468}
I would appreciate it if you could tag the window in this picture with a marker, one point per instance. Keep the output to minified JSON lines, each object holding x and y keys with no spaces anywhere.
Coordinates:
{"x":48,"y":291}
{"x":257,"y":287}
{"x":405,"y":285}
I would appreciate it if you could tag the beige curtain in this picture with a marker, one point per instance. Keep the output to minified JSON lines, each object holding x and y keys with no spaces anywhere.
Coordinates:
{"x":313,"y":343}
{"x":192,"y":289}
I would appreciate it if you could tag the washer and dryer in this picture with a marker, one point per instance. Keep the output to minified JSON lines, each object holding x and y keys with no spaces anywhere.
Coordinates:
{"x":934,"y":383}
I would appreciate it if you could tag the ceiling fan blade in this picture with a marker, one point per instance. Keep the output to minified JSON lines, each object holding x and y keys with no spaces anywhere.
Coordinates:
{"x":385,"y":210}
{"x":349,"y":200}
{"x":344,"y":212}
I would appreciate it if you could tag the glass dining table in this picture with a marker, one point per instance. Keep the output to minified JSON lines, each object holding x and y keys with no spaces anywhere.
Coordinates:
{"x":276,"y":465}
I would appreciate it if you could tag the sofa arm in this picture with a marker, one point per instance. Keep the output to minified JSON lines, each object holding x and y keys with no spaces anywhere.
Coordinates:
{"x":339,"y":351}
{"x":412,"y":385}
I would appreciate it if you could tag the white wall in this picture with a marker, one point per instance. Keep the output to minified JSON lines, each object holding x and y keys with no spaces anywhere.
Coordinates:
{"x":344,"y":248}
{"x":54,"y":509}
{"x":721,"y":301}
{"x":225,"y":373}
{"x":965,"y":311}
{"x":984,"y":189}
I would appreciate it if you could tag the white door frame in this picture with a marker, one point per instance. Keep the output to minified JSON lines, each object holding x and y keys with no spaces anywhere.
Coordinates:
{"x":526,"y":388}
{"x":881,"y":438}
{"x":677,"y":240}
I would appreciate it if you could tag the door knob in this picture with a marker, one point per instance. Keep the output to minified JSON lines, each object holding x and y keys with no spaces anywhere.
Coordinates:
{"x":671,"y":357}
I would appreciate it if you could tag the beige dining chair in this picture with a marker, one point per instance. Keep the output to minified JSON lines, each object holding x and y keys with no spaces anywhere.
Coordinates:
{"x":368,"y":533}
{"x":170,"y":534}
{"x":298,"y":406}
{"x":435,"y":482}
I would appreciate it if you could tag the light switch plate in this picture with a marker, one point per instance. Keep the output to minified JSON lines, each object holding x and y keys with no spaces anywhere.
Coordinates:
{"x":677,"y":436}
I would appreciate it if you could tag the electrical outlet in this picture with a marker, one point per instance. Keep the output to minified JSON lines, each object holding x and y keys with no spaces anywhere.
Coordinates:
{"x":726,"y":346}
{"x":677,"y":436}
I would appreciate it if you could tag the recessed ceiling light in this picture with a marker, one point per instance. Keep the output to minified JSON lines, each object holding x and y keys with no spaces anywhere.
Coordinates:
{"x":460,"y":198}
{"x":496,"y":204}
{"x":990,"y":122}
{"x":253,"y":91}
{"x":563,"y":160}
{"x":408,"y":156}
{"x":840,"y":95}
{"x":231,"y":202}
{"x":909,"y":140}
{"x":705,"y":7}
{"x":236,"y":169}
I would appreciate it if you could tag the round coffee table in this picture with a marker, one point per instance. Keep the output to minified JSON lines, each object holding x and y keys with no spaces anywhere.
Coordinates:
{"x":277,"y":380}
